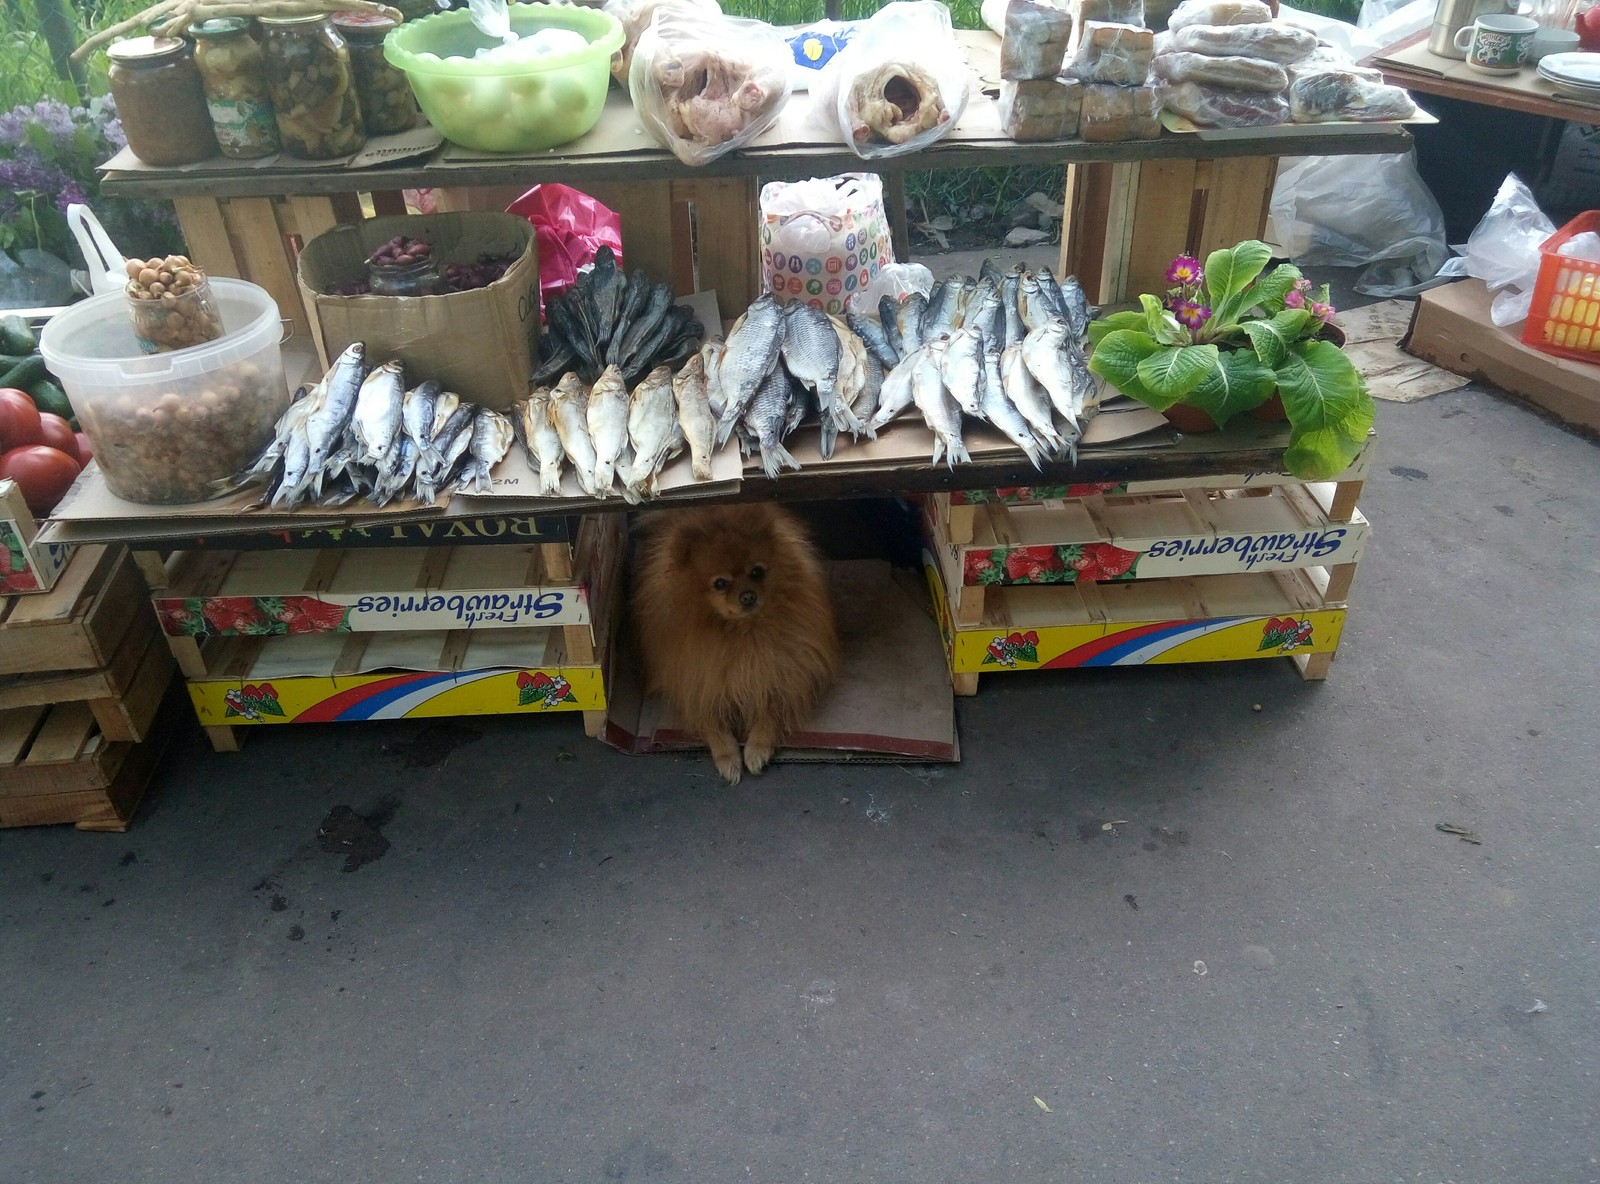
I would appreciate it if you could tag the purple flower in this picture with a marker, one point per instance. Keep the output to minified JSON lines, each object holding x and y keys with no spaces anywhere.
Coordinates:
{"x":1323,"y":312}
{"x":1294,"y":298}
{"x":1191,"y":315}
{"x":1185,"y":269}
{"x":53,"y":116}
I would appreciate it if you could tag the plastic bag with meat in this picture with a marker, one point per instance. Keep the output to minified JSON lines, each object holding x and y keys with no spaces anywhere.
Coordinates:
{"x":702,"y":85}
{"x":1233,"y":73}
{"x":899,"y":85}
{"x":1209,"y":106}
{"x":1326,"y":95}
{"x":1283,"y":44}
{"x":634,"y":17}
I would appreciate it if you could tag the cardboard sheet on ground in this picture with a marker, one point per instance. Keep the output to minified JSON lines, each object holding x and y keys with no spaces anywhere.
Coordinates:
{"x":1184,"y":126}
{"x":1372,"y":343}
{"x":892,"y":701}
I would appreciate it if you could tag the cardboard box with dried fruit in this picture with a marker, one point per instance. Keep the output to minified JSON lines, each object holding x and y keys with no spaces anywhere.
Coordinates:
{"x":480,"y":343}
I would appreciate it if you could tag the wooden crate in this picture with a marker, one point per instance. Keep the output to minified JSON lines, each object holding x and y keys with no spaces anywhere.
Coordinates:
{"x":123,"y":696}
{"x":1141,"y":537}
{"x":1151,"y":622}
{"x":1125,"y":222}
{"x":79,"y":623}
{"x":375,"y":664}
{"x":57,"y":766}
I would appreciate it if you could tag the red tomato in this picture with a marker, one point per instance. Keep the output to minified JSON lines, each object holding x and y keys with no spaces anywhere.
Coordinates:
{"x":1588,"y":24}
{"x":19,"y":418}
{"x":85,"y":449}
{"x":43,"y":474}
{"x":57,"y":433}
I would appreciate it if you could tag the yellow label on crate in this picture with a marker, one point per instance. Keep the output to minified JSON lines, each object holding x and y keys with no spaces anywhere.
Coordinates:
{"x":407,"y":695}
{"x":1141,"y":643}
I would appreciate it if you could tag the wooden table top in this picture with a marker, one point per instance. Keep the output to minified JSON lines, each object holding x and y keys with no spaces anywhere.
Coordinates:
{"x":1410,"y":64}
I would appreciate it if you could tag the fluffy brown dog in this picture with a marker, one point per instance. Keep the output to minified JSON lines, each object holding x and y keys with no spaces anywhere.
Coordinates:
{"x":734,"y":625}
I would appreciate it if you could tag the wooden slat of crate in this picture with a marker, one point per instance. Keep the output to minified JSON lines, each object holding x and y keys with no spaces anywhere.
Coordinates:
{"x":123,"y":696}
{"x":99,"y":791}
{"x":78,"y":623}
{"x":61,"y":751}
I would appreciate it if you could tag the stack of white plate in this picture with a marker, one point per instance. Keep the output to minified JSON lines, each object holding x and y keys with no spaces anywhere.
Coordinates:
{"x":1576,"y":75}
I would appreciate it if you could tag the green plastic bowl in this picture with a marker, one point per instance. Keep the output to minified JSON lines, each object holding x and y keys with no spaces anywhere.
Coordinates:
{"x":507,"y":106}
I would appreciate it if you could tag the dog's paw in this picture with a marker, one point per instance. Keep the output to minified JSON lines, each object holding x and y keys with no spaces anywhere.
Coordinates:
{"x":729,"y":767}
{"x":757,"y":756}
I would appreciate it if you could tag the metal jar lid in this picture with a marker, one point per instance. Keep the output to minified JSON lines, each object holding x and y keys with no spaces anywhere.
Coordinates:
{"x":311,"y":18}
{"x":146,"y":50}
{"x":370,"y":23}
{"x":220,"y":26}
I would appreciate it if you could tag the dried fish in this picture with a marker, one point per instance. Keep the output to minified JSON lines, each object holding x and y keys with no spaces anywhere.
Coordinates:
{"x":543,"y":442}
{"x":653,"y":433}
{"x":961,"y":368}
{"x":873,"y":336}
{"x":998,"y":410}
{"x":767,"y":417}
{"x":607,"y":419}
{"x":690,"y":391}
{"x":1029,"y":398}
{"x":751,"y":356}
{"x":941,"y":412}
{"x":569,"y":412}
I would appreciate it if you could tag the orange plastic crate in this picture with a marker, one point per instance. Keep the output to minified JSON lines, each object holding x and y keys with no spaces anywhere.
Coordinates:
{"x":1564,"y":318}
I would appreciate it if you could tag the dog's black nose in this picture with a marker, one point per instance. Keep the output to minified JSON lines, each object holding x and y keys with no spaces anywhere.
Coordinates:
{"x":747,"y":600}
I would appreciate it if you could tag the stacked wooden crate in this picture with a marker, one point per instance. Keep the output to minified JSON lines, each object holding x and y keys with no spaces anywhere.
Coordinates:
{"x":82,"y":675}
{"x":1211,"y":569}
{"x":321,"y":635}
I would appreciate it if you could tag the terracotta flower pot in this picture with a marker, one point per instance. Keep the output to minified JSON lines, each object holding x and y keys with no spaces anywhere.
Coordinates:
{"x":1189,"y":420}
{"x":1271,"y":411}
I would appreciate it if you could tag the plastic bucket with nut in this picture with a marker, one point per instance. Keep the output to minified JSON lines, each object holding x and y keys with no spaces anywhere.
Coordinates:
{"x":176,"y":427}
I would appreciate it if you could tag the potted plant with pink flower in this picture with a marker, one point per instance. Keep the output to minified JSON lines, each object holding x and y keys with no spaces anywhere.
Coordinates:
{"x":1226,"y":338}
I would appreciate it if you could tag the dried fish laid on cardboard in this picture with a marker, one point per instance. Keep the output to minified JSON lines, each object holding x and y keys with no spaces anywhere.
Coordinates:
{"x":609,"y":319}
{"x":899,"y":85}
{"x":703,"y":84}
{"x":362,"y":432}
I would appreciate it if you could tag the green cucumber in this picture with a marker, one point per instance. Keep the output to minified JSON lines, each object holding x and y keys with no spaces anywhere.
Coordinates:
{"x":16,"y":337}
{"x":47,"y":396}
{"x":25,"y":373}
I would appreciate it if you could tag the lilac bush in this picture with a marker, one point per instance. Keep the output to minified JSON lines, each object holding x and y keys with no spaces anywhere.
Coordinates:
{"x":48,"y":156}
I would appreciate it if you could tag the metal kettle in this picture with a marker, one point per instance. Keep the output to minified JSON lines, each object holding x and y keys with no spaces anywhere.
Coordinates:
{"x":1454,"y":15}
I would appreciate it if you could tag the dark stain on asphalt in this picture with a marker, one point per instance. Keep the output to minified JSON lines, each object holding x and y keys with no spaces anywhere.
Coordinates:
{"x":358,"y":839}
{"x":128,"y":859}
{"x":433,"y":743}
{"x":1409,"y":474}
{"x":278,"y":903}
{"x":297,"y":933}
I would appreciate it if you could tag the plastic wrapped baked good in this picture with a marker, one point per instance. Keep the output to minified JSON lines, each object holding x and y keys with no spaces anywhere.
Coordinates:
{"x":1218,"y":12}
{"x":1035,"y":40}
{"x":1323,"y":96}
{"x":634,"y":16}
{"x":1229,"y":73}
{"x":1283,"y":44}
{"x":899,"y":85}
{"x":1209,"y":106}
{"x":704,"y":84}
{"x":1117,"y":54}
{"x":1040,"y":108}
{"x":1111,"y":12}
{"x":1120,"y":113}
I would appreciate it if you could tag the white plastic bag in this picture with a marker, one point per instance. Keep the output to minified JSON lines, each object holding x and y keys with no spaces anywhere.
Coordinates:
{"x":899,"y":85}
{"x":702,"y":85}
{"x":1503,"y":251}
{"x":898,"y":280}
{"x":634,"y":17}
{"x":1360,"y":211}
{"x":824,"y":239}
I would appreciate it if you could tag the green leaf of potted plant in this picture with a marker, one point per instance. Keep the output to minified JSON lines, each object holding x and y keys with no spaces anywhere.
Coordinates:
{"x":1225,"y":340}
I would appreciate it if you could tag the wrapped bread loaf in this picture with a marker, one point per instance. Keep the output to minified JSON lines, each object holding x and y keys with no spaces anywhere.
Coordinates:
{"x":1229,"y":73}
{"x":1209,"y":106}
{"x":1119,"y":113}
{"x":1218,"y":12}
{"x":1283,"y":44}
{"x":1040,"y":108}
{"x":1111,"y":12}
{"x":1345,"y":94}
{"x":1035,"y":42}
{"x":1118,"y":54}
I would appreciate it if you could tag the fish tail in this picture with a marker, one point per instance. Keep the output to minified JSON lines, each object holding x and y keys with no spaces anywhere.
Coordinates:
{"x":830,"y":433}
{"x":550,"y":479}
{"x":938,"y":448}
{"x":605,"y":475}
{"x":958,"y":451}
{"x":775,"y":458}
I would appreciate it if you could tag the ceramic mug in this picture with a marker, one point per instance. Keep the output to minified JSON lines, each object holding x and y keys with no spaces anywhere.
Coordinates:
{"x":1547,"y":41}
{"x":1498,"y":44}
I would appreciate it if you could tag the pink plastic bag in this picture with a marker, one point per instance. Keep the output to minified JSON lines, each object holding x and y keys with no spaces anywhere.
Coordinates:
{"x":571,"y":226}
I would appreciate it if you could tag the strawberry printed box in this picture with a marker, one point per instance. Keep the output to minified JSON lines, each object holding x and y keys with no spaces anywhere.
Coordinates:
{"x":26,"y":565}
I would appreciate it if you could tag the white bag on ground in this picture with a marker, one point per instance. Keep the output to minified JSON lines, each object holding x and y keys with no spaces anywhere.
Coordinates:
{"x":1360,"y":211}
{"x":899,"y":85}
{"x":1503,"y":251}
{"x":825,"y":239}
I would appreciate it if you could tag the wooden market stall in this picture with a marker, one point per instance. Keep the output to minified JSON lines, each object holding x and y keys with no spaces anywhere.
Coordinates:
{"x":1130,"y":208}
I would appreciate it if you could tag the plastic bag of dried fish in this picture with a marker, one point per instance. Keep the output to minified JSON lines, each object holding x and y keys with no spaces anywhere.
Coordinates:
{"x":702,"y":85}
{"x":900,"y":84}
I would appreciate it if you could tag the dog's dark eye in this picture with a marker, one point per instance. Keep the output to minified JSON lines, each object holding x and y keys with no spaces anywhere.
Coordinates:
{"x":719,"y":584}
{"x":757,"y":572}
